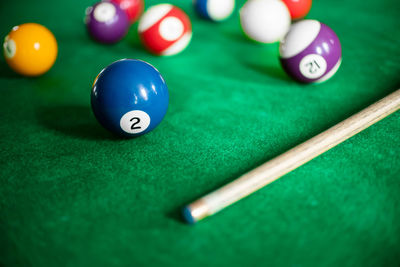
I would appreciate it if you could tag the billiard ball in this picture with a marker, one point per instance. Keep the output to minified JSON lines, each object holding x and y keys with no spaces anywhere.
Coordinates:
{"x":165,"y":30}
{"x":215,"y":10}
{"x":106,"y":22}
{"x":265,"y":21}
{"x":310,"y":52}
{"x":129,"y":97}
{"x":133,"y":8}
{"x":30,"y":49}
{"x":298,"y":8}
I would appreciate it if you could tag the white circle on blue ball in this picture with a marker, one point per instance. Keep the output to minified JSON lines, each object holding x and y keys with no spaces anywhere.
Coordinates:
{"x":313,"y":66}
{"x":135,"y":122}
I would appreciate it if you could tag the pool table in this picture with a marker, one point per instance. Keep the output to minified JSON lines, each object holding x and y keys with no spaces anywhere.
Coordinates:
{"x":72,"y":194}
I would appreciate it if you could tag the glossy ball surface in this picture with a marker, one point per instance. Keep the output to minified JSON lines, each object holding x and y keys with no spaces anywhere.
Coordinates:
{"x":215,"y":10}
{"x":129,"y":98}
{"x":132,"y":8}
{"x":310,"y":52}
{"x":30,"y":49}
{"x":265,"y":21}
{"x":298,"y":8}
{"x":165,"y":30}
{"x":106,"y":22}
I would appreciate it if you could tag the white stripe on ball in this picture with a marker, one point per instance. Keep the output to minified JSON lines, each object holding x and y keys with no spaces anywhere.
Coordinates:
{"x":153,"y":15}
{"x":299,"y":37}
{"x":220,"y":9}
{"x":179,"y":45}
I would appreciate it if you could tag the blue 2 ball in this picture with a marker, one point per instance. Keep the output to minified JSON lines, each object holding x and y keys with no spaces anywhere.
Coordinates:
{"x":129,"y":97}
{"x":214,"y":10}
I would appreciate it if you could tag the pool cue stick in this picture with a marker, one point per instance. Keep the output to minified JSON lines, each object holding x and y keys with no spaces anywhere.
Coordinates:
{"x":290,"y":160}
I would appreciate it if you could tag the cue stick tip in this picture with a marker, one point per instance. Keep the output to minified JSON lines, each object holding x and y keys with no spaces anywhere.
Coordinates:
{"x":187,"y":215}
{"x":195,"y":212}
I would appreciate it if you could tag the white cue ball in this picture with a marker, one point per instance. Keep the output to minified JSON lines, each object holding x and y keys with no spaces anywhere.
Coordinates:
{"x":265,"y":21}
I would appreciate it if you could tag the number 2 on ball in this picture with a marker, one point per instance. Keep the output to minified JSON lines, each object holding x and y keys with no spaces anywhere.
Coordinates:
{"x":137,"y":120}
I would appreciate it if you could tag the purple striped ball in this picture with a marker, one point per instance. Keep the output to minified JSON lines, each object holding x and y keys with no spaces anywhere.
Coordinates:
{"x":310,"y":52}
{"x":106,"y":22}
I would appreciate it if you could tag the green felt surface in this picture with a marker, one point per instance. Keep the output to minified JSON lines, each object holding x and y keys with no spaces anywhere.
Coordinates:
{"x":71,"y":194}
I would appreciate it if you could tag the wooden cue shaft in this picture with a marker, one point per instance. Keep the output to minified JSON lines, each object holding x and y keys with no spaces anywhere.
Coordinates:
{"x":290,"y":160}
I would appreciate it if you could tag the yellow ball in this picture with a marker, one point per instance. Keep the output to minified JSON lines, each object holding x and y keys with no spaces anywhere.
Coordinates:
{"x":30,"y":49}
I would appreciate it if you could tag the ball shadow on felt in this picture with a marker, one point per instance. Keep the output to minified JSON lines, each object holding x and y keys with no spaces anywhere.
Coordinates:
{"x":265,"y":60}
{"x":271,"y":71}
{"x":7,"y":72}
{"x":74,"y":121}
{"x":238,"y":37}
{"x":261,"y":58}
{"x":133,"y":38}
